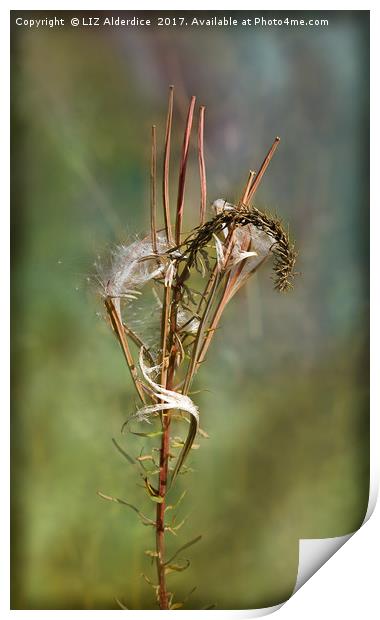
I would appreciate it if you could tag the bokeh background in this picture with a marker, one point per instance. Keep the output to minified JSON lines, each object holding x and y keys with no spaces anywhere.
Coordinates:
{"x":284,"y":393}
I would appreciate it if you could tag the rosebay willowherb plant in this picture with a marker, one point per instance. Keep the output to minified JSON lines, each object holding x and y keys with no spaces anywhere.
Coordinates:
{"x":181,"y":283}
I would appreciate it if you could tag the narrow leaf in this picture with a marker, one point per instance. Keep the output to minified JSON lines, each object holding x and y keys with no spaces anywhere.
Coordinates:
{"x":153,"y":434}
{"x":153,"y":493}
{"x":124,"y":503}
{"x":186,"y":448}
{"x":176,"y":568}
{"x":174,"y":506}
{"x":120,"y":449}
{"x":151,"y":554}
{"x":185,"y":546}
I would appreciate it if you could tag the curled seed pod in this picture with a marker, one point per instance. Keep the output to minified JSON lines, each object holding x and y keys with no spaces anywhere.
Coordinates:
{"x":282,"y":249}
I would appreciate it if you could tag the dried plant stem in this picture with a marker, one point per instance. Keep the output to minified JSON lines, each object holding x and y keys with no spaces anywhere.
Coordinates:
{"x":120,"y":332}
{"x":228,"y":292}
{"x":137,"y":340}
{"x":233,"y":278}
{"x":234,"y":275}
{"x":153,"y":191}
{"x":182,"y":171}
{"x":212,"y":285}
{"x":262,"y":170}
{"x":213,"y":325}
{"x":202,"y":165}
{"x":164,"y":333}
{"x":208,"y":295}
{"x":165,"y":175}
{"x":245,"y":194}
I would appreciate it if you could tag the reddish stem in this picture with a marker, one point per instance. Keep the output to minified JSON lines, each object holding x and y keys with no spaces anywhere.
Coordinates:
{"x":160,"y":513}
{"x":262,"y":170}
{"x":165,"y":176}
{"x":168,"y":377}
{"x":153,"y":190}
{"x":202,"y":165}
{"x":247,"y":187}
{"x":182,"y":171}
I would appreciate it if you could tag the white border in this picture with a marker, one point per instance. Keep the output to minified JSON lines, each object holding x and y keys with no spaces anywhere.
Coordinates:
{"x":346,"y":585}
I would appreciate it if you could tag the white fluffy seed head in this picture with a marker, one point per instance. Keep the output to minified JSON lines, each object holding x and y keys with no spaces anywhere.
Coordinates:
{"x":134,"y":265}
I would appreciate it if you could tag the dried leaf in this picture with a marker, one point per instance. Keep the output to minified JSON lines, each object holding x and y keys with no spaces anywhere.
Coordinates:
{"x":194,"y":425}
{"x":145,"y":457}
{"x":151,"y":554}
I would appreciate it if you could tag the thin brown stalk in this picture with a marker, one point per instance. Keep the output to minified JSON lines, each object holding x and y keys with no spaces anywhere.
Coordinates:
{"x":153,"y":190}
{"x":165,"y":175}
{"x":119,"y":330}
{"x":209,"y":295}
{"x":164,"y":333}
{"x":262,"y":170}
{"x":202,"y":165}
{"x":182,"y":171}
{"x":230,"y":283}
{"x":231,"y":288}
{"x":197,"y":346}
{"x":247,"y":187}
{"x":213,"y":326}
{"x":199,"y":352}
{"x":138,"y":342}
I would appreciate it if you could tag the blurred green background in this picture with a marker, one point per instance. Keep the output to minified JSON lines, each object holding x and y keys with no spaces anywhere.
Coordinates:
{"x":285,"y":387}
